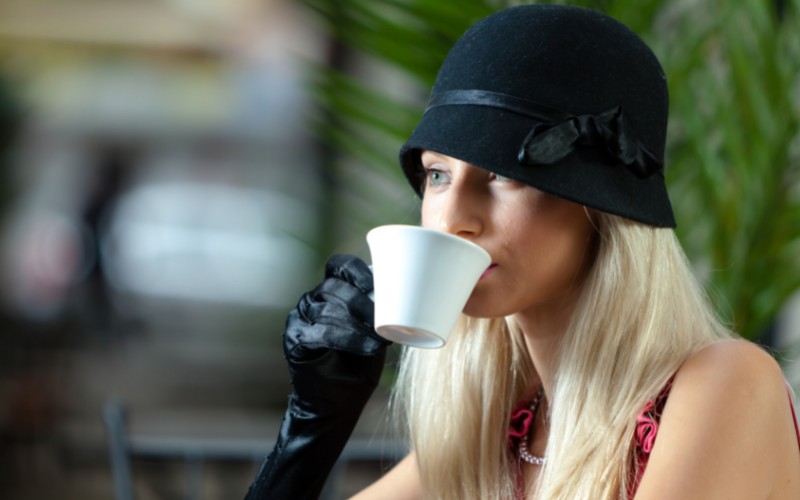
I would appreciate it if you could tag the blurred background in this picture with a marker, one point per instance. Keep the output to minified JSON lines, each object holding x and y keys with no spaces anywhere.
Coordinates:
{"x":174,"y":174}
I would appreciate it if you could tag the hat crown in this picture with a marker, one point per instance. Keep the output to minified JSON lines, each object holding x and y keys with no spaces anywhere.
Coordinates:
{"x":572,"y":59}
{"x":564,"y":99}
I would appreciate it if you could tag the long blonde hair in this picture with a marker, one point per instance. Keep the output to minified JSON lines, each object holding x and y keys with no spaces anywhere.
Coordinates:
{"x":640,"y":315}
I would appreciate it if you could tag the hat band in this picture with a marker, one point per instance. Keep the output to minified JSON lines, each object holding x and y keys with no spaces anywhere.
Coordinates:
{"x":558,"y":133}
{"x":508,"y":102}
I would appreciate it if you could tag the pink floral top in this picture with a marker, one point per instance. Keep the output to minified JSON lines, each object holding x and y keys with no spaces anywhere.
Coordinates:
{"x":643,"y":440}
{"x":645,"y":436}
{"x":521,"y":420}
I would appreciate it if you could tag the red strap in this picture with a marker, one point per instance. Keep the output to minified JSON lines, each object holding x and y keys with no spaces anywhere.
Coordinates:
{"x":794,"y":417}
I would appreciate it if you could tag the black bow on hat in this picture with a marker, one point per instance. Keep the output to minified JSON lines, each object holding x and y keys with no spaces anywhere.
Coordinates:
{"x":550,"y":143}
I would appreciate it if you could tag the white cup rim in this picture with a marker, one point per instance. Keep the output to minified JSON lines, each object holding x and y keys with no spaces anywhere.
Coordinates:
{"x":444,"y":234}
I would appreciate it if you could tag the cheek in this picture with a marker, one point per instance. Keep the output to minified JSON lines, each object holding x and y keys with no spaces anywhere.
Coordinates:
{"x":427,"y":213}
{"x":561,"y":261}
{"x":557,"y":255}
{"x":541,"y":263}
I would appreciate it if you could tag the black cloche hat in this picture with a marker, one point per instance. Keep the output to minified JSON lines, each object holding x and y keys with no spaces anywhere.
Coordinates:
{"x":564,"y":99}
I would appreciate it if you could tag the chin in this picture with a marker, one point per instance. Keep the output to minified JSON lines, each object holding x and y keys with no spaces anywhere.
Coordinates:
{"x":484,"y":309}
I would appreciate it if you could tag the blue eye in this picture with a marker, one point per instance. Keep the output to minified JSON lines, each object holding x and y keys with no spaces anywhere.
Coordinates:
{"x":435,"y":177}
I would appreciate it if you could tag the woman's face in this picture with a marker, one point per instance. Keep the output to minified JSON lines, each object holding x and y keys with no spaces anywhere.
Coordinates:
{"x":540,"y":244}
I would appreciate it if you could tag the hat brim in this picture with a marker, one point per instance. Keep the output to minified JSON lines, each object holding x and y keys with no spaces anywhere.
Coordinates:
{"x":490,"y":138}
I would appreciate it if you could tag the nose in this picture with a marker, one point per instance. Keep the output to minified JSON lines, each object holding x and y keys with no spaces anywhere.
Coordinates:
{"x":459,"y":211}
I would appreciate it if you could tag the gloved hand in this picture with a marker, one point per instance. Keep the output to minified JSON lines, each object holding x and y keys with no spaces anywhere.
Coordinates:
{"x":335,"y":361}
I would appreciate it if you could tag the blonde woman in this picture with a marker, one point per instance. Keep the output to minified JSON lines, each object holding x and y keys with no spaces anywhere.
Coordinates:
{"x":587,"y":363}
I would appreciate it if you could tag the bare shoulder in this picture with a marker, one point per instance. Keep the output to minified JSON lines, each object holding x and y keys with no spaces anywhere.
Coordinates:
{"x":735,"y":383}
{"x":726,"y":430}
{"x":735,"y":363}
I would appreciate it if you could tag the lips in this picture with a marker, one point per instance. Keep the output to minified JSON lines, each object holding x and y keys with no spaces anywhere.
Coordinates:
{"x":488,"y":270}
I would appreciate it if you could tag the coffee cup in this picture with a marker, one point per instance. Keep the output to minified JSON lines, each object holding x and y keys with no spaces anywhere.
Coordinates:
{"x":423,"y":279}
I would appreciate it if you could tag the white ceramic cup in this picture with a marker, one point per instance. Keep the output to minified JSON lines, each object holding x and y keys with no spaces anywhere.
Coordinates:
{"x":423,"y":279}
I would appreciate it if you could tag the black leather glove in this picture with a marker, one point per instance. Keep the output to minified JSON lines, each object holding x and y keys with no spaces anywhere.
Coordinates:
{"x":335,"y":361}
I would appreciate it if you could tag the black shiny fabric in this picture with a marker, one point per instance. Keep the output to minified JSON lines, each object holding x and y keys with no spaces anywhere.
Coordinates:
{"x":558,"y":133}
{"x":335,"y":360}
{"x":477,"y":97}
{"x":548,"y":143}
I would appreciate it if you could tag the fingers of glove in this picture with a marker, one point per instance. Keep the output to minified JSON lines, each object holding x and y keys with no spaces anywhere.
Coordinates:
{"x":343,"y":295}
{"x":355,"y":313}
{"x":333,"y":328}
{"x":350,"y":269}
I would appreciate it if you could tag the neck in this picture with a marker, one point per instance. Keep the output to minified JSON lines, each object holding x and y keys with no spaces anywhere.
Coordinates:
{"x":543,"y":328}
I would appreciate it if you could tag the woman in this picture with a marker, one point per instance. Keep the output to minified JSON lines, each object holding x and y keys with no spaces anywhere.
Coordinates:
{"x":587,"y":363}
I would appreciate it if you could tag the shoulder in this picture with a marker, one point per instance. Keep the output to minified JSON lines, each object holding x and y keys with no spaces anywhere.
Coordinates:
{"x":736,"y":364}
{"x":736,"y":383}
{"x":726,"y":430}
